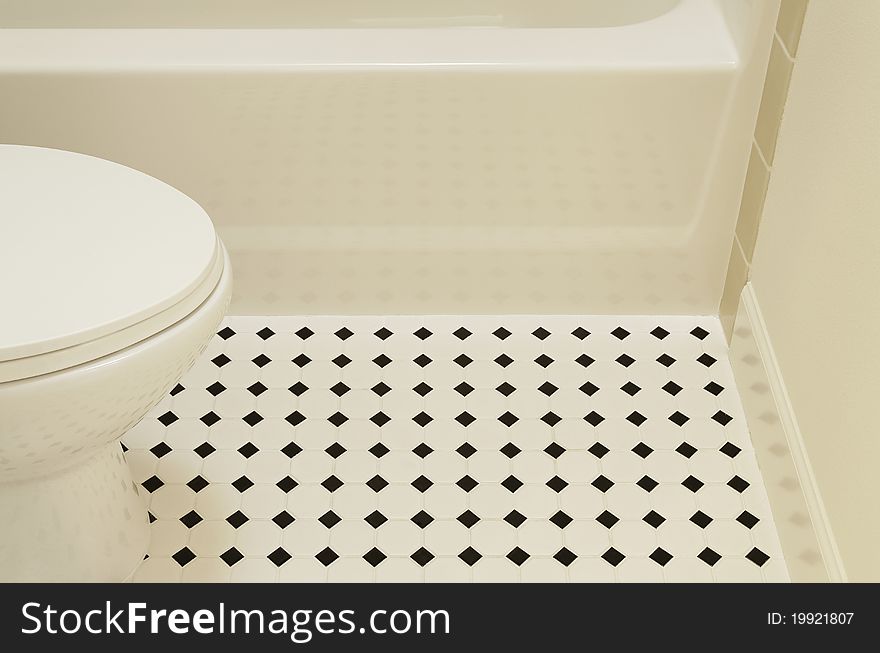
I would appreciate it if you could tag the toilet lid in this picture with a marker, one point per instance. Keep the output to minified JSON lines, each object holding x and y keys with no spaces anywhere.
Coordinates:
{"x":89,"y":247}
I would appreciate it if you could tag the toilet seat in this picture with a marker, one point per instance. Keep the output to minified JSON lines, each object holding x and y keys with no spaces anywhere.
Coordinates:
{"x":94,"y":257}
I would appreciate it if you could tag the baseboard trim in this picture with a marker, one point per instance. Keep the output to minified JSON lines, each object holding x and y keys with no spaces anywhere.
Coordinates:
{"x":826,"y":541}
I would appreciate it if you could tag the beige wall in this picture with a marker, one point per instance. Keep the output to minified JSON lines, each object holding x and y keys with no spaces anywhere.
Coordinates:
{"x":816,"y":267}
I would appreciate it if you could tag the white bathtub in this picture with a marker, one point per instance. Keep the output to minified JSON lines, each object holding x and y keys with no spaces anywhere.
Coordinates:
{"x":475,"y":156}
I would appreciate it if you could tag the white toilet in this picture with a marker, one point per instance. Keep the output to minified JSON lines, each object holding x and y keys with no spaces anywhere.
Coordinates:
{"x":111,"y":284}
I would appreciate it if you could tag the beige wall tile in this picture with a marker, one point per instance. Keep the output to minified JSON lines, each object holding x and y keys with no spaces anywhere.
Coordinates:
{"x":788,"y":26}
{"x":737,"y":274}
{"x":752,"y":203}
{"x":773,"y":100}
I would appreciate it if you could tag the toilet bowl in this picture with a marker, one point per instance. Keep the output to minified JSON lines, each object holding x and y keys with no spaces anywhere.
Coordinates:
{"x":111,"y":284}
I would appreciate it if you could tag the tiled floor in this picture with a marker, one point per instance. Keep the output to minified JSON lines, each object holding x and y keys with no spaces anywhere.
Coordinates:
{"x":506,"y":448}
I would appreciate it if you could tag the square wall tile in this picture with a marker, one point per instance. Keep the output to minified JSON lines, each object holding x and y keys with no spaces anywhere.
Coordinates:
{"x":790,"y":22}
{"x":773,"y":100}
{"x":752,"y":203}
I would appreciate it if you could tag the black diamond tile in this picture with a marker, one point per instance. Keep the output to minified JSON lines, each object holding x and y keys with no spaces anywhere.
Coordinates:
{"x":589,"y":388}
{"x":730,"y":449}
{"x":168,"y":418}
{"x":598,"y":449}
{"x":565,"y":557}
{"x":706,"y":360}
{"x":331,"y":483}
{"x":210,"y":418}
{"x":665,"y":360}
{"x":341,"y":361}
{"x":661,"y":556}
{"x":470,"y":556}
{"x":625,"y":359}
{"x":541,"y":333}
{"x":422,"y":333}
{"x":152,"y":484}
{"x":700,"y":333}
{"x":231,"y":556}
{"x":560,"y":519}
{"x":335,"y":450}
{"x":620,"y":333}
{"x":123,"y":447}
{"x":423,"y":450}
{"x":517,"y":556}
{"x":580,"y":333}
{"x":647,"y":483}
{"x":253,"y":418}
{"x":466,"y":450}
{"x":642,"y":450}
{"x":261,"y":361}
{"x":286,"y":484}
{"x":344,"y":333}
{"x":678,"y":418}
{"x":339,"y":389}
{"x":738,"y":484}
{"x":242,"y":483}
{"x":464,"y":389}
{"x":298,"y":388}
{"x":237,"y":519}
{"x":506,"y":389}
{"x":510,"y":450}
{"x":548,"y":388}
{"x":305,"y":333}
{"x":512,"y":483}
{"x":377,"y":483}
{"x":381,"y":389}
{"x":461,"y":333}
{"x":160,"y":450}
{"x":466,"y":483}
{"x":654,"y":519}
{"x":504,"y":360}
{"x":508,"y":419}
{"x":221,"y":360}
{"x":421,"y":519}
{"x":722,"y":418}
{"x":216,"y":388}
{"x":594,"y":418}
{"x":465,"y":419}
{"x":709,"y":556}
{"x":226,"y":333}
{"x":184,"y":557}
{"x":557,"y":484}
{"x":422,"y":556}
{"x":463,"y":360}
{"x":659,"y":333}
{"x":630,"y":388}
{"x":205,"y":449}
{"x":422,"y":360}
{"x":301,"y":361}
{"x":636,"y":418}
{"x":257,"y":389}
{"x":423,"y":419}
{"x":191,"y":518}
{"x":672,"y":388}
{"x":380,"y":419}
{"x":613,"y":557}
{"x":544,"y":360}
{"x":378,"y":450}
{"x":713,"y":388}
{"x":337,"y":419}
{"x":747,"y":519}
{"x":329,"y":519}
{"x":515,"y":518}
{"x":375,"y":519}
{"x":607,"y":519}
{"x":422,"y":389}
{"x":279,"y":556}
{"x":602,"y":483}
{"x":283,"y":519}
{"x":551,"y":418}
{"x":381,"y":360}
{"x":701,"y":519}
{"x":422,"y":483}
{"x":176,"y":390}
{"x":291,"y":449}
{"x":501,"y":333}
{"x":554,"y":450}
{"x":692,"y":483}
{"x":248,"y":449}
{"x":383,"y":334}
{"x":584,"y":360}
{"x":757,"y":556}
{"x":328,"y":556}
{"x":686,"y":449}
{"x":197,"y":483}
{"x":468,"y":518}
{"x":265,"y":333}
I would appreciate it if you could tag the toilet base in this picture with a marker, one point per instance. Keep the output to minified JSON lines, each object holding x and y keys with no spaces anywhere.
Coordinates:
{"x":84,"y":524}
